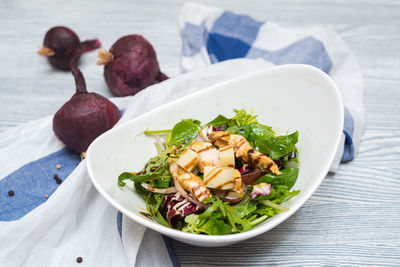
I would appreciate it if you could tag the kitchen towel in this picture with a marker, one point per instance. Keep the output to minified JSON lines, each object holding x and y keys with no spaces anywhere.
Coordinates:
{"x":48,"y":220}
{"x":211,"y":35}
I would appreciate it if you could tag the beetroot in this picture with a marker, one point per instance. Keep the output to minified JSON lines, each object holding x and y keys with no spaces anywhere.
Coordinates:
{"x":84,"y":117}
{"x":130,"y":65}
{"x":61,"y":44}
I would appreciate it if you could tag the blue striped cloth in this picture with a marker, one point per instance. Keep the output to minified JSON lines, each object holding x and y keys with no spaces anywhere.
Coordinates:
{"x":211,"y":35}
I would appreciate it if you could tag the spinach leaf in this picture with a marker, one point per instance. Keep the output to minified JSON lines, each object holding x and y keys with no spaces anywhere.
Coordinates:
{"x":244,"y":131}
{"x":184,"y":132}
{"x":277,"y":146}
{"x":260,"y":132}
{"x":220,"y":120}
{"x":287,"y":178}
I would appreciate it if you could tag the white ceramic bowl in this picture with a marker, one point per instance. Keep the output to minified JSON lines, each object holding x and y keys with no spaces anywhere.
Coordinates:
{"x":289,"y":98}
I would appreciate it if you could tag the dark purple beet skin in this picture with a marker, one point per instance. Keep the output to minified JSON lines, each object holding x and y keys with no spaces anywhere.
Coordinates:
{"x":84,"y":117}
{"x":131,"y":65}
{"x":61,"y":44}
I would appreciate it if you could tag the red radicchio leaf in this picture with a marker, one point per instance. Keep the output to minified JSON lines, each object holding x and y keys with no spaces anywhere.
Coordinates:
{"x":263,"y":189}
{"x":177,"y":208}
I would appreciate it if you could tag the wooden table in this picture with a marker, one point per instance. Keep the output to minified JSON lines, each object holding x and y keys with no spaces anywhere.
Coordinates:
{"x":352,"y":219}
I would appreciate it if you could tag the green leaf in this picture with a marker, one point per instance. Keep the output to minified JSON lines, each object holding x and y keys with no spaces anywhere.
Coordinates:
{"x":184,"y":132}
{"x":278,"y":146}
{"x":157,"y":215}
{"x":139,"y":188}
{"x":163,"y":183}
{"x":281,"y":194}
{"x":211,"y":226}
{"x":216,"y":227}
{"x":237,"y":215}
{"x":219,"y":121}
{"x":242,"y":118}
{"x":267,"y":210}
{"x":244,"y":131}
{"x":155,"y":169}
{"x":153,"y":204}
{"x":153,"y":132}
{"x":260,"y":132}
{"x":287,"y":178}
{"x":216,"y":204}
{"x":130,"y":176}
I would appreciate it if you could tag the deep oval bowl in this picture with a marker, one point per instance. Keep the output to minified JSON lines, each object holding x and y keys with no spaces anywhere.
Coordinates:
{"x":288,"y":98}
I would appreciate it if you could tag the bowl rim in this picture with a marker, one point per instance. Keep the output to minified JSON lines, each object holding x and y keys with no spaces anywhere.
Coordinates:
{"x":236,"y":237}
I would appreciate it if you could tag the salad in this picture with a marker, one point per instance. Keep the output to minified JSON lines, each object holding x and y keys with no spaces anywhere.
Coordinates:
{"x":222,"y":177}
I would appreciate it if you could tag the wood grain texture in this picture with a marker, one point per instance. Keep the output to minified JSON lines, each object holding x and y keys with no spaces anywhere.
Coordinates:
{"x":352,"y":219}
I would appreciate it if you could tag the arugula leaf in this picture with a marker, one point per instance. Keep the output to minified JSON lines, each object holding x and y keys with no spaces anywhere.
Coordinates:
{"x":267,"y":210}
{"x":216,"y":204}
{"x":210,"y":227}
{"x":279,"y":194}
{"x":287,"y":178}
{"x":183,"y":132}
{"x":163,"y":183}
{"x":139,"y":188}
{"x":153,"y":204}
{"x":237,"y":215}
{"x":130,"y":176}
{"x":284,"y":195}
{"x":155,"y":168}
{"x":216,"y":227}
{"x":242,"y":118}
{"x":211,"y":221}
{"x":278,"y":146}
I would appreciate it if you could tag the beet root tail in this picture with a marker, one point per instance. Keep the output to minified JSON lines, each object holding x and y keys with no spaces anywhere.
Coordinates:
{"x":90,"y":45}
{"x":162,"y":77}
